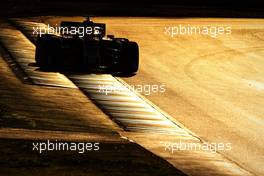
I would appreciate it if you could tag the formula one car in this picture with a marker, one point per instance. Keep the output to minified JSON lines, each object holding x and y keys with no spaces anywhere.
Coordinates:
{"x":82,"y":46}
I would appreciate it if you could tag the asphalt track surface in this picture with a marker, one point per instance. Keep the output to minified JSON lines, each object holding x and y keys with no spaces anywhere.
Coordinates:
{"x":214,"y":86}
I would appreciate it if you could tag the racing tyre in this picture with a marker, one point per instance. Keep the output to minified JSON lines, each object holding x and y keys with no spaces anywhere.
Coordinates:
{"x":47,"y":49}
{"x":130,"y":60}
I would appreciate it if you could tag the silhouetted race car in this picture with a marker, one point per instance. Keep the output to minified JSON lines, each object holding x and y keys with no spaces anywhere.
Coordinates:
{"x":82,"y":46}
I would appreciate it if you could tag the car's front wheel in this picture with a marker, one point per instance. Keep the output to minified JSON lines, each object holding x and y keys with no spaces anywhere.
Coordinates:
{"x":130,"y":58}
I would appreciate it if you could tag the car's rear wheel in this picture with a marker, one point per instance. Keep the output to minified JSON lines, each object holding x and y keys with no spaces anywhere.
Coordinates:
{"x":47,"y":49}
